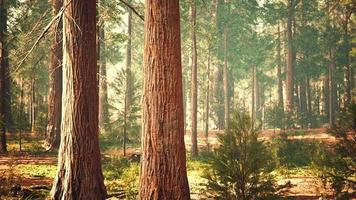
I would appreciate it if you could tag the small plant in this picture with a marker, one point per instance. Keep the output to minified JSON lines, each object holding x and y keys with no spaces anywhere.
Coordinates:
{"x":241,"y":165}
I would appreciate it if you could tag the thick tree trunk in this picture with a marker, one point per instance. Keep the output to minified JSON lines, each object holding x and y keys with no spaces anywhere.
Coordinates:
{"x":194,"y":81}
{"x":290,"y":64}
{"x":163,"y":164}
{"x":279,"y":70}
{"x":79,"y":174}
{"x":226,"y":81}
{"x":103,"y":84}
{"x":53,"y":130}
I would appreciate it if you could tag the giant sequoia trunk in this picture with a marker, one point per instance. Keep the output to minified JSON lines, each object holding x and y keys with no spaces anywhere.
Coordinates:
{"x":79,"y":173}
{"x":194,"y":82}
{"x":53,"y":131}
{"x":163,"y":165}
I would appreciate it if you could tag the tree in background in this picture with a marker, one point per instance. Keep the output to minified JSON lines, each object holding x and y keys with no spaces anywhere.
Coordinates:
{"x":79,"y":174}
{"x":53,"y":131}
{"x":163,"y":163}
{"x":194,"y":81}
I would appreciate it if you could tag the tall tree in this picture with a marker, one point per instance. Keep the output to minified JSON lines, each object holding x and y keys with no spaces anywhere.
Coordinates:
{"x":4,"y":79}
{"x":194,"y":82}
{"x":290,"y":64}
{"x":53,"y":131}
{"x":279,"y":69}
{"x":163,"y":165}
{"x":226,"y":79}
{"x":79,"y":174}
{"x":128,"y":84}
{"x":103,"y":84}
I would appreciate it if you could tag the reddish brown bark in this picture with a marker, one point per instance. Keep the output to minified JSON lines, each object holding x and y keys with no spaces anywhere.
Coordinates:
{"x":53,"y":131}
{"x":163,"y":165}
{"x":194,"y":82}
{"x":279,"y":70}
{"x":79,"y":169}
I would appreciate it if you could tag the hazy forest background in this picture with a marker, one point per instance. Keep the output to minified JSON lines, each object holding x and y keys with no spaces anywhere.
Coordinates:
{"x":267,"y":88}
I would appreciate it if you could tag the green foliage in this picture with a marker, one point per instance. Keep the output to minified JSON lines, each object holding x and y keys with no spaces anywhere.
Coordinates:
{"x":241,"y":165}
{"x":275,"y":116}
{"x":296,"y":153}
{"x":126,"y":107}
{"x":338,"y":168}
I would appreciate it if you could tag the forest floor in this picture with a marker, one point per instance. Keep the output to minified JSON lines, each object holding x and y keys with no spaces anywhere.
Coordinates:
{"x":34,"y":168}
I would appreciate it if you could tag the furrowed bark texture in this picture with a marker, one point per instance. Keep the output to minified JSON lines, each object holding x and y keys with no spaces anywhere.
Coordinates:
{"x":53,"y":131}
{"x":163,"y":165}
{"x":79,"y":173}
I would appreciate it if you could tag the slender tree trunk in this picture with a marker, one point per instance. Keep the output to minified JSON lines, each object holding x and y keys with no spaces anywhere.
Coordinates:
{"x":163,"y":165}
{"x":207,"y":95}
{"x":53,"y":130}
{"x":194,"y":82}
{"x":226,"y":80}
{"x":79,"y":174}
{"x":279,"y":71}
{"x":303,"y":103}
{"x":332,"y":88}
{"x":253,"y":94}
{"x":103,"y":84}
{"x":309,"y":102}
{"x":3,"y":77}
{"x":347,"y":70}
{"x":290,"y":64}
{"x":128,"y":76}
{"x":33,"y":103}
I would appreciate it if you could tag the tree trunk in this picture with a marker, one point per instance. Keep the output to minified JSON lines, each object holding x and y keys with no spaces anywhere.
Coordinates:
{"x":103,"y":84}
{"x":332,"y":88}
{"x":3,"y":77}
{"x":194,"y":82}
{"x":79,"y":174}
{"x":226,"y":80}
{"x":163,"y":165}
{"x":33,"y":103}
{"x":279,"y":70}
{"x":207,"y":95}
{"x":290,"y":64}
{"x":128,"y":77}
{"x":347,"y":70}
{"x":53,"y":130}
{"x":253,"y":94}
{"x":303,"y":103}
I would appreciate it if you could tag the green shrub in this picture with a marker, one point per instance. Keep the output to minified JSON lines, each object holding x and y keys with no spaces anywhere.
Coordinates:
{"x":241,"y":165}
